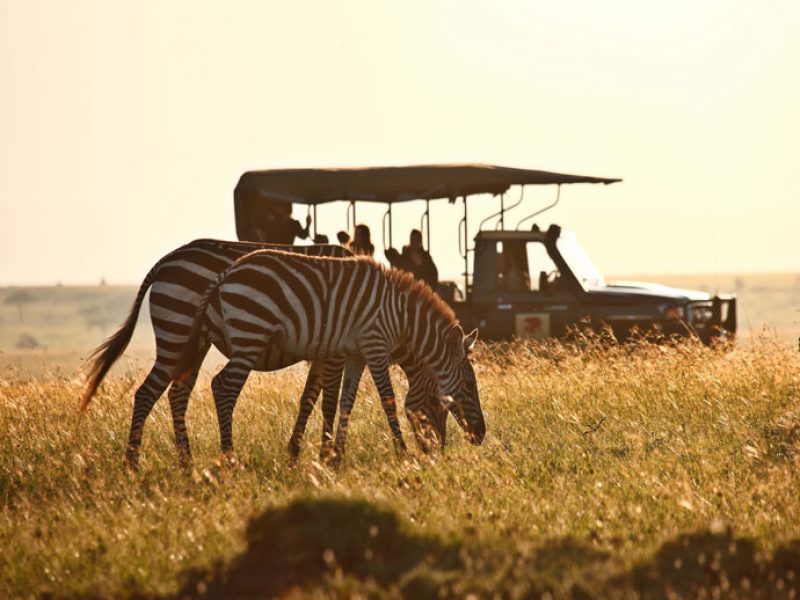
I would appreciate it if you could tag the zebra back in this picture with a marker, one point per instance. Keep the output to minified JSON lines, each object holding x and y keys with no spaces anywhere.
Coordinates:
{"x":188,"y":356}
{"x":106,"y":354}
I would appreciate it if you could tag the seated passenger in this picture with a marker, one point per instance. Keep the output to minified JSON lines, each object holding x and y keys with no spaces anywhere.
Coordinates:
{"x":361,"y":244}
{"x":286,"y":229}
{"x":344,"y":238}
{"x":274,"y":224}
{"x":512,"y":268}
{"x":415,"y":259}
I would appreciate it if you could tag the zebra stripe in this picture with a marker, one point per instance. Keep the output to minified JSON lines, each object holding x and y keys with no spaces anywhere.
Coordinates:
{"x":319,"y":308}
{"x":176,"y":284}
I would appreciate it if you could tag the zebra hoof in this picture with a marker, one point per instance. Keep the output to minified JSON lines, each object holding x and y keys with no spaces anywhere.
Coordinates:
{"x":132,"y":460}
{"x":230,"y":461}
{"x":186,"y":464}
{"x":401,"y":450}
{"x":332,"y":459}
{"x":424,"y":445}
{"x":294,"y":451}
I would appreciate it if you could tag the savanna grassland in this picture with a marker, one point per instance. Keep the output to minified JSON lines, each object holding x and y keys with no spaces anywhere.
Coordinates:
{"x":49,"y":328}
{"x":606,"y":472}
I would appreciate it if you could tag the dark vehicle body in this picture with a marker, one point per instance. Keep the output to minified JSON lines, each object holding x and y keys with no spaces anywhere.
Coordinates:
{"x":520,"y":283}
{"x":559,"y":290}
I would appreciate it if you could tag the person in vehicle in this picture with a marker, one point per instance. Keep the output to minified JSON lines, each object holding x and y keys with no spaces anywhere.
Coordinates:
{"x":283,"y":229}
{"x":512,"y":268}
{"x":272,"y":222}
{"x":361,"y":244}
{"x":344,"y":238}
{"x":415,"y":259}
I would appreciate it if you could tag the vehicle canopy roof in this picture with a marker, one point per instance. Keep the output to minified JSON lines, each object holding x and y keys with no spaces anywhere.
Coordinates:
{"x":395,"y":184}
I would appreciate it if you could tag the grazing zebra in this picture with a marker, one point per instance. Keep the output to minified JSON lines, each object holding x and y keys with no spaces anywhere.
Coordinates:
{"x":319,"y":307}
{"x":177,"y":283}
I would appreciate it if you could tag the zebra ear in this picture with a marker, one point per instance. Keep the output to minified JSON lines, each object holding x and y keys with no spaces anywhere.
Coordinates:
{"x":470,"y":339}
{"x":455,"y":337}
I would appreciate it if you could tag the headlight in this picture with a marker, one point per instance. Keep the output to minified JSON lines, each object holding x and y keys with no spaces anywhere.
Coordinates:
{"x":701,"y":314}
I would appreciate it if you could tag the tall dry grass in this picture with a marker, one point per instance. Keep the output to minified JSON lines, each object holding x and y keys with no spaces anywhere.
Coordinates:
{"x":598,"y":463}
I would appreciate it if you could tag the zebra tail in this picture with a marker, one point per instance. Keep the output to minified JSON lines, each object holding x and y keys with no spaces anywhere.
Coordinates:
{"x":107,"y":353}
{"x":188,"y":357}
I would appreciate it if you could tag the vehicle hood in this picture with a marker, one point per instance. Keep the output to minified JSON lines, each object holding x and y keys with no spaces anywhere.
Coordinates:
{"x":637,"y":289}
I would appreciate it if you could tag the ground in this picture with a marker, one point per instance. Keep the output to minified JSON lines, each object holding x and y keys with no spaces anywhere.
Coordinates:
{"x":606,"y":472}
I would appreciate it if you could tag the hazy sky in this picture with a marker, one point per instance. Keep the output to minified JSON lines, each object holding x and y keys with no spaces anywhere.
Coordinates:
{"x":124,"y":126}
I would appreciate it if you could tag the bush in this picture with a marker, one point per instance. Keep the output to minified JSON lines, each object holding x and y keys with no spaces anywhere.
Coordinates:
{"x":27,"y":342}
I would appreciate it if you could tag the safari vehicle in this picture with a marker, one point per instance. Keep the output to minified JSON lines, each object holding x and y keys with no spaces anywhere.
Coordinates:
{"x":517,"y":282}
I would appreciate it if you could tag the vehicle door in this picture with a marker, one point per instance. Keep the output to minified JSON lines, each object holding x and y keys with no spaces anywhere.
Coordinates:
{"x":533,"y":298}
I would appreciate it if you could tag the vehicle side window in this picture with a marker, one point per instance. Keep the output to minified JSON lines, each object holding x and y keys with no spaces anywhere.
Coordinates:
{"x":512,"y":267}
{"x":543,"y":271}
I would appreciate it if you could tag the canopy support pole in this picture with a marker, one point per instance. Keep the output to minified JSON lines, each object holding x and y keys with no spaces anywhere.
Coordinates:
{"x":501,"y":213}
{"x":351,"y":208}
{"x":540,"y":211}
{"x":315,"y":222}
{"x":466,"y":249}
{"x":387,"y":215}
{"x":425,"y":224}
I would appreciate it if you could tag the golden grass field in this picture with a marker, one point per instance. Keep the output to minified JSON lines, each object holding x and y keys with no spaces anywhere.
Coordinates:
{"x":645,"y":470}
{"x":606,"y":472}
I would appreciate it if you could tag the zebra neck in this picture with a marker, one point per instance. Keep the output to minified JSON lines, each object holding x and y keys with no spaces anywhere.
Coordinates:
{"x":425,"y":329}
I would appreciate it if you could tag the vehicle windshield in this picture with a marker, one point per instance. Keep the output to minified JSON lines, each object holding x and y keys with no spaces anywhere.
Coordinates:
{"x":580,"y":263}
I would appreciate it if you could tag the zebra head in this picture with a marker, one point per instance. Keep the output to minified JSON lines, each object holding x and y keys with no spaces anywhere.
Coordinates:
{"x":460,"y":389}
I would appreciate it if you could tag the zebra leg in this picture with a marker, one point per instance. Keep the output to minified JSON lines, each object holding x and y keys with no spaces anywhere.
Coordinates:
{"x":415,"y":400}
{"x":331,"y":385}
{"x":352,"y":377}
{"x":151,"y":389}
{"x":307,"y":402}
{"x":424,"y":410}
{"x":379,"y":369}
{"x":178,"y":402}
{"x":419,"y":427}
{"x":226,"y":386}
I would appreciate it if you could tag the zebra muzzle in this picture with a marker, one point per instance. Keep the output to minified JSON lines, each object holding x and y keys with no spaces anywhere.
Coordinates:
{"x":455,"y":409}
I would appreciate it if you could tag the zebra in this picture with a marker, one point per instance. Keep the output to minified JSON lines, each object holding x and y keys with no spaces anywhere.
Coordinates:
{"x":176,"y":284}
{"x":319,"y":307}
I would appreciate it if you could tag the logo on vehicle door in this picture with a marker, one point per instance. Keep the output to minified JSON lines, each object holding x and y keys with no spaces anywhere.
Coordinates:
{"x":533,"y":325}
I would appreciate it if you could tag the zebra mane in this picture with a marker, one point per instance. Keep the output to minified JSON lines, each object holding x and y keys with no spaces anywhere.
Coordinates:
{"x":420,"y":290}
